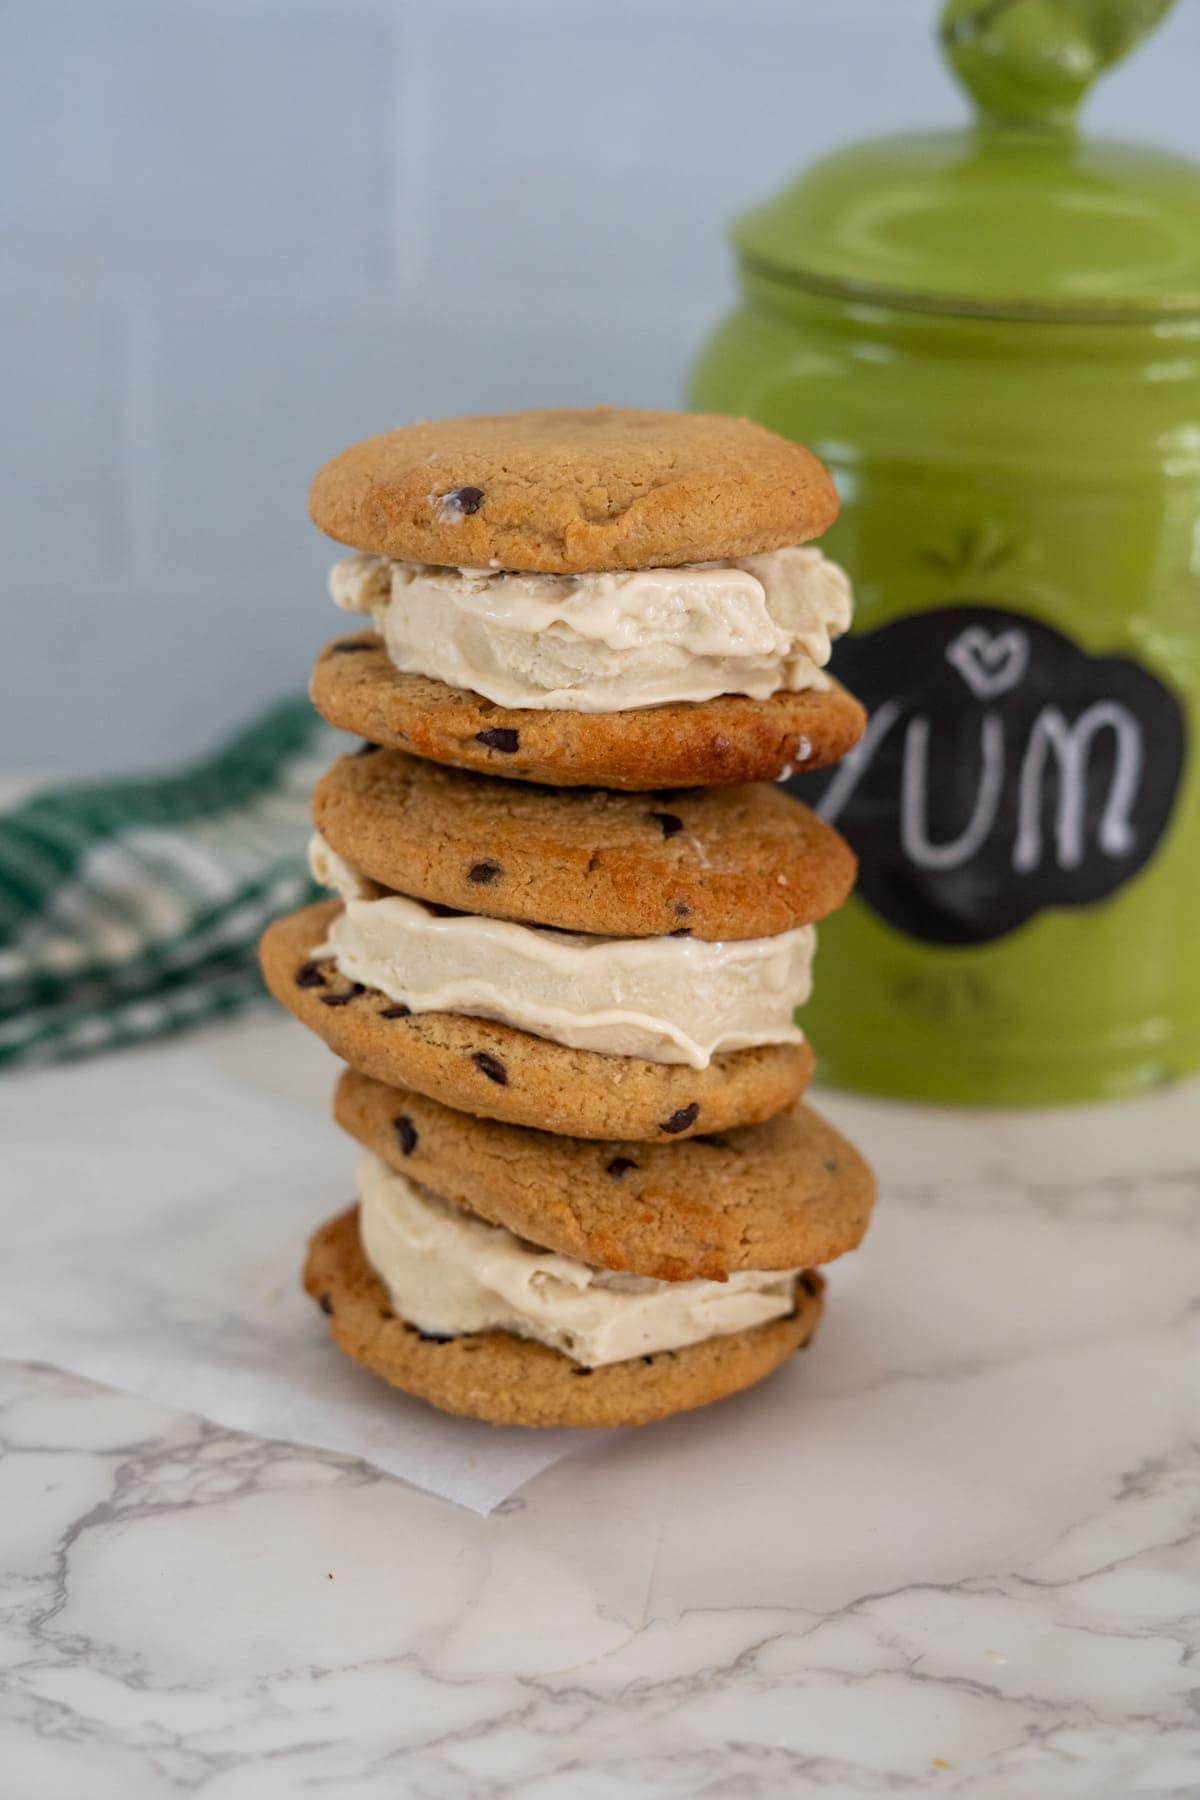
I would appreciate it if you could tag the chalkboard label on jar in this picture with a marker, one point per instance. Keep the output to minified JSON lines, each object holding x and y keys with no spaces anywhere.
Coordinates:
{"x":1004,"y":770}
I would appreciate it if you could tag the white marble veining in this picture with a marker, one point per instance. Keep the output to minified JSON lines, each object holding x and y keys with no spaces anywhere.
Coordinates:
{"x":955,"y":1549}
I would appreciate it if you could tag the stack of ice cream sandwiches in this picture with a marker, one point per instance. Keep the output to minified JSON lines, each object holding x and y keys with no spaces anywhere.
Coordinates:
{"x":574,"y":916}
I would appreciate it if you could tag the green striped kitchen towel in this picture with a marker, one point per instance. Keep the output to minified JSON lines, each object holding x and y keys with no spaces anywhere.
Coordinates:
{"x":131,"y":908}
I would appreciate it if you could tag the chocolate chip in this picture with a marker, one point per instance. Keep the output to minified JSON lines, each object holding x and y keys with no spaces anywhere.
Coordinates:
{"x":829,"y":1164}
{"x":464,"y":501}
{"x":579,"y":1371}
{"x":671,"y":823}
{"x":483,"y":874}
{"x":500,"y":737}
{"x":647,"y":1359}
{"x":325,"y":1303}
{"x":680,"y":1121}
{"x":310,"y":974}
{"x":810,"y":1284}
{"x":619,"y":1167}
{"x":366,"y":749}
{"x":406,"y":1131}
{"x":491,"y":1066}
{"x":352,"y":646}
{"x":682,"y":910}
{"x":352,"y":992}
{"x":399,"y":1011}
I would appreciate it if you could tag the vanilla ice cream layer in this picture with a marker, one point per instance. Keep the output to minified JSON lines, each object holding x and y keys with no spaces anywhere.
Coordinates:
{"x":448,"y":1272}
{"x":665,"y":999}
{"x":607,"y":642}
{"x":333,"y":871}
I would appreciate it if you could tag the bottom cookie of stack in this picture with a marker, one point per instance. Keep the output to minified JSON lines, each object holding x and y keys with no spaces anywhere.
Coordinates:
{"x":455,"y":1277}
{"x":508,"y":1379}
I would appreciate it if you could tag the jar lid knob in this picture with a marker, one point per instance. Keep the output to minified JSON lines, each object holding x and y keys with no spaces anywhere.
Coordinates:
{"x":1029,"y":63}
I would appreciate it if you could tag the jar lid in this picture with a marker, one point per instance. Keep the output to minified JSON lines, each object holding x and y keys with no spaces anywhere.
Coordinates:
{"x":1017,"y":214}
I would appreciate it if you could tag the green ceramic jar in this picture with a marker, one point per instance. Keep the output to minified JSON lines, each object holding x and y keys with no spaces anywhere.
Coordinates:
{"x":993,"y":338}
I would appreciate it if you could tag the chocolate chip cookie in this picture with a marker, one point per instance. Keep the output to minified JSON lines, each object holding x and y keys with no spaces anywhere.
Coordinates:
{"x":686,"y":744}
{"x":567,"y":491}
{"x":781,"y":1195}
{"x":479,"y":1066}
{"x":717,"y":863}
{"x":508,"y":1380}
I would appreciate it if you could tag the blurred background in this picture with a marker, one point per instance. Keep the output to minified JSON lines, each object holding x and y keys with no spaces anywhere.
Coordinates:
{"x":240,"y":234}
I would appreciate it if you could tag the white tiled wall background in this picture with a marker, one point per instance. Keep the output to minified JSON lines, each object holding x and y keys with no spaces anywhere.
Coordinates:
{"x":238,"y":234}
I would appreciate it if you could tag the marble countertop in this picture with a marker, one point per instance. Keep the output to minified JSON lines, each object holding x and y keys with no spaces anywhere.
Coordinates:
{"x":953,"y":1551}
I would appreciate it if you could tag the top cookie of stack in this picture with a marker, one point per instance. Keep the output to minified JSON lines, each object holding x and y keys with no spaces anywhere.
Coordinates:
{"x":606,"y":597}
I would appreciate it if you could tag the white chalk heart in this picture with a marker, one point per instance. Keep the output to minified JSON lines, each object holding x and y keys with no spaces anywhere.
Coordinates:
{"x":989,"y":665}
